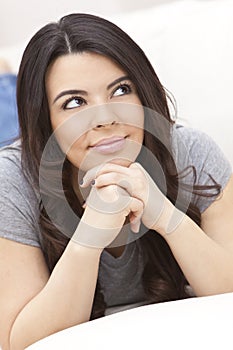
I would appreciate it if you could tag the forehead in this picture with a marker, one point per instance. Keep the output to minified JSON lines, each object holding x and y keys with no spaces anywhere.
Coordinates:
{"x":85,"y":68}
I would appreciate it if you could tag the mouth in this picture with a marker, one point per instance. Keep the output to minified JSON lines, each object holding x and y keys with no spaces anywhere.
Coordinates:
{"x":109,"y":145}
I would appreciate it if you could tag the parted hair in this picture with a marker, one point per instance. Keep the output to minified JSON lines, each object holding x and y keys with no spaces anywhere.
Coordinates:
{"x":162,"y":278}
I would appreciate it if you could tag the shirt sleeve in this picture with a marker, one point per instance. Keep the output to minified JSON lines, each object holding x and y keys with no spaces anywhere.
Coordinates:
{"x":19,"y":205}
{"x":199,"y":150}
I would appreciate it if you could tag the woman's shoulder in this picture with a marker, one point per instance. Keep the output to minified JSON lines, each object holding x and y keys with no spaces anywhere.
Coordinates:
{"x":194,"y":146}
{"x":19,"y":201}
{"x":189,"y":136}
{"x":11,"y":154}
{"x":10,"y":163}
{"x":11,"y":170}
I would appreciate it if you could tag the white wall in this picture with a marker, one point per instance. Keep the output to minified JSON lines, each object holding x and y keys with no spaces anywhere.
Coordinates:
{"x":19,"y":19}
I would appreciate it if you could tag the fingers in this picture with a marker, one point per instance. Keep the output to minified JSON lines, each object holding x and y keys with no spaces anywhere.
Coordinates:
{"x":136,"y":212}
{"x":122,"y":181}
{"x":100,"y":231}
{"x":132,"y":179}
{"x":102,"y":169}
{"x":111,"y":200}
{"x":138,"y":185}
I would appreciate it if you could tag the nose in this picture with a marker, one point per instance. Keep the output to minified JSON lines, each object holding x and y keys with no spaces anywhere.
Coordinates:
{"x":103,"y":116}
{"x":104,"y":125}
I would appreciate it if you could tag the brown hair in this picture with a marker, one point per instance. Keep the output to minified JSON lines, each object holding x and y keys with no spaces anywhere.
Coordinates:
{"x":162,"y":277}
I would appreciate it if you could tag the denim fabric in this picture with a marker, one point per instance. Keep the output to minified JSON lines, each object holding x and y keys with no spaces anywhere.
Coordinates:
{"x":8,"y":112}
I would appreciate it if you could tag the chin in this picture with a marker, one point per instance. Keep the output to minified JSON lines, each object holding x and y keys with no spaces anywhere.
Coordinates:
{"x":91,"y":158}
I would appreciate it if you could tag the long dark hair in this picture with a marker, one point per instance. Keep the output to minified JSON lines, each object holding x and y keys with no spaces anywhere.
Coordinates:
{"x":162,"y":278}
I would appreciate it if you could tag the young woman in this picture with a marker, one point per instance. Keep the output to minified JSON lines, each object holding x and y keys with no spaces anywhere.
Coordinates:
{"x":99,"y":158}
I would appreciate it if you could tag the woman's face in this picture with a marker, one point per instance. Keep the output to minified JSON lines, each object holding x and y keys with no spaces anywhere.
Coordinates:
{"x":95,"y":111}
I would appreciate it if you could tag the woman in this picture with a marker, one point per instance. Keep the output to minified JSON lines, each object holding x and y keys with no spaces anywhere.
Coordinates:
{"x":90,"y":106}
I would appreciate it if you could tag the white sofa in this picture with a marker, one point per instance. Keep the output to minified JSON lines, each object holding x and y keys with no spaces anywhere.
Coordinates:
{"x":195,"y":323}
{"x":190,"y":44}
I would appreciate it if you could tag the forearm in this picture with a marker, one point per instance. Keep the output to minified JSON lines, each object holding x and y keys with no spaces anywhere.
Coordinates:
{"x":66,"y":300}
{"x":206,"y":264}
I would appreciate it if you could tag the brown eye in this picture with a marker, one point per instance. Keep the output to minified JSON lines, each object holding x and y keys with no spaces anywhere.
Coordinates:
{"x":123,"y":89}
{"x":74,"y":102}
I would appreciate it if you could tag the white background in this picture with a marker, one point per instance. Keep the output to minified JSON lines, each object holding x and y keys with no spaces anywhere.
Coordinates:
{"x":20,"y":18}
{"x":189,"y":43}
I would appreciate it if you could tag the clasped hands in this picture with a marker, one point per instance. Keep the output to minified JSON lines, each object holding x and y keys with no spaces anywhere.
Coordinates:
{"x":118,"y":192}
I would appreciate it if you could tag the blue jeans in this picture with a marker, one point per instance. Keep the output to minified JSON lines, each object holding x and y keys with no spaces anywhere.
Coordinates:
{"x":9,"y":128}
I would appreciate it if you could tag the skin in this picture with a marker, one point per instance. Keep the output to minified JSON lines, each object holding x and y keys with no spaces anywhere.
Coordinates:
{"x":102,"y":108}
{"x":94,"y":74}
{"x":205,"y":254}
{"x":97,"y":111}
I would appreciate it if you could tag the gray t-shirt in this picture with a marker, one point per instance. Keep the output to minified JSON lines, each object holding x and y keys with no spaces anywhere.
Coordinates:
{"x":120,"y":277}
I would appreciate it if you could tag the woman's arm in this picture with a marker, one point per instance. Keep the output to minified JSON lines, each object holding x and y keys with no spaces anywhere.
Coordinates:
{"x":23,"y":273}
{"x":33,"y":305}
{"x":45,"y":305}
{"x":205,"y":254}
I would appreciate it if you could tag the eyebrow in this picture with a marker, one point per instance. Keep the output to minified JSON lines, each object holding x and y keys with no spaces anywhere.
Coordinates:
{"x":83,"y":92}
{"x":69,"y":92}
{"x":125,"y":77}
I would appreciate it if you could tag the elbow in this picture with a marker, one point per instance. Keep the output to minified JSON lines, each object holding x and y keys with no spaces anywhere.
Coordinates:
{"x":16,"y":342}
{"x":13,"y":344}
{"x":214,"y":290}
{"x":9,"y":342}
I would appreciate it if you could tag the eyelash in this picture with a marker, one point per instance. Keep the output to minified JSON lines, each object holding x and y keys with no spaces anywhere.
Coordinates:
{"x":127,"y":85}
{"x":64,"y":105}
{"x":121,"y":85}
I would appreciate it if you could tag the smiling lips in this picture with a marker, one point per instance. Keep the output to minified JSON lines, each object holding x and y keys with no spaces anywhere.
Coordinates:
{"x":110,"y":145}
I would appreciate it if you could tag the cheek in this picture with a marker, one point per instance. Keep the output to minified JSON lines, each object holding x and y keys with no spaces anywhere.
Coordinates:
{"x":71,"y":143}
{"x":137,"y":134}
{"x":78,"y":149}
{"x":140,"y":134}
{"x":76,"y":155}
{"x":70,"y":133}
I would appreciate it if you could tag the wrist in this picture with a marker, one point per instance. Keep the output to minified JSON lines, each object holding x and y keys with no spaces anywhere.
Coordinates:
{"x":101,"y":220}
{"x":84,"y":250}
{"x":169,"y":220}
{"x":97,"y":230}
